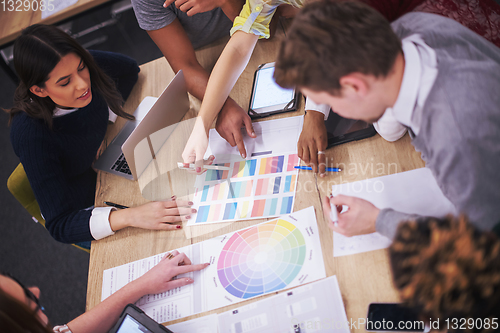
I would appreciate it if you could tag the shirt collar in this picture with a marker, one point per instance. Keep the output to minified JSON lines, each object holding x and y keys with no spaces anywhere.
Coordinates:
{"x":58,"y":112}
{"x":408,"y":92}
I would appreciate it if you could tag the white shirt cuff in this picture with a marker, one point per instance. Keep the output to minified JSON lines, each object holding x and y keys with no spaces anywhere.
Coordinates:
{"x":323,"y":108}
{"x":112,"y":116}
{"x":99,"y":222}
{"x":389,"y":127}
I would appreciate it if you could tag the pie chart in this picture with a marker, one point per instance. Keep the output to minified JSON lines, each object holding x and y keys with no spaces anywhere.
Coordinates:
{"x":261,"y":259}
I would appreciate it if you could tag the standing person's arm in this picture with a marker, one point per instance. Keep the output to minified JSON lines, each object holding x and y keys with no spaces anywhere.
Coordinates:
{"x":178,"y":50}
{"x":226,"y":72}
{"x":230,"y":7}
{"x":157,"y":280}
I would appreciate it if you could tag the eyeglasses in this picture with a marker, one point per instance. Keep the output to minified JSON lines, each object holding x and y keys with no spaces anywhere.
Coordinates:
{"x":28,"y":293}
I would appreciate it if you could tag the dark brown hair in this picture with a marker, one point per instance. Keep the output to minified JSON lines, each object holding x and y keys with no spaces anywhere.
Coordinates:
{"x":36,"y":52}
{"x":446,"y":268}
{"x":330,"y":39}
{"x":17,"y":317}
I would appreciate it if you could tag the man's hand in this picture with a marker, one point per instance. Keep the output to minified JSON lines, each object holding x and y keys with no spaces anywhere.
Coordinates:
{"x":313,"y":140}
{"x":229,"y":122}
{"x":192,"y":7}
{"x":359,"y":219}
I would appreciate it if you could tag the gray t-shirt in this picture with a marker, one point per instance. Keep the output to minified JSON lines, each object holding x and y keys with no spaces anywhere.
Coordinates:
{"x":201,"y":29}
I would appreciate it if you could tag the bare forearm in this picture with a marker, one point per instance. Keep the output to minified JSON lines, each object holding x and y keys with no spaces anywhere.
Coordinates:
{"x":102,"y":317}
{"x":226,"y":72}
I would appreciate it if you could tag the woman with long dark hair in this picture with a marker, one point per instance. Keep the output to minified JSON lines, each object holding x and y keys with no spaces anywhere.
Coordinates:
{"x":21,"y":312}
{"x":61,"y":111}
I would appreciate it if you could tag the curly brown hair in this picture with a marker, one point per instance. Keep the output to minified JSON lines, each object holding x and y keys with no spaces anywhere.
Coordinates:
{"x":446,"y":269}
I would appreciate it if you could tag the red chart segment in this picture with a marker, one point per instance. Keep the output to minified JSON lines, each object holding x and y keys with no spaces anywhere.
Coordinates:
{"x":261,"y":259}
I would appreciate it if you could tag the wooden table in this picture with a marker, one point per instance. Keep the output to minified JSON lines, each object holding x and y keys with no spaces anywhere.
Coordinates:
{"x":363,"y":278}
{"x":13,"y":22}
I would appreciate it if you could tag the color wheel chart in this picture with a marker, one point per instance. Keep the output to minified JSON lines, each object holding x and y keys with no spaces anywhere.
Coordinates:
{"x":256,"y":188}
{"x":271,"y":256}
{"x":262,"y":259}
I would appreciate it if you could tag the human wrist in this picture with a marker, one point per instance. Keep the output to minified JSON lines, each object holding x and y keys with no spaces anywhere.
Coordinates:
{"x":120,"y":219}
{"x":315,"y":116}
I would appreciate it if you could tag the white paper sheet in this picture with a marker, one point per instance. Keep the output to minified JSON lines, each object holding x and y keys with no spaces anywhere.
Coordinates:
{"x":271,"y":256}
{"x":55,"y":6}
{"x":411,"y":192}
{"x":273,"y":137}
{"x":316,"y":307}
{"x":207,"y":324}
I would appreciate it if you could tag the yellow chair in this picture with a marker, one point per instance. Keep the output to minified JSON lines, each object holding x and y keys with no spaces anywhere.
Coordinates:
{"x":20,"y":188}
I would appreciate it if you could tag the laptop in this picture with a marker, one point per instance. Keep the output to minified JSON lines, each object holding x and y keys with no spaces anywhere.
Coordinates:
{"x":131,"y":150}
{"x":134,"y":320}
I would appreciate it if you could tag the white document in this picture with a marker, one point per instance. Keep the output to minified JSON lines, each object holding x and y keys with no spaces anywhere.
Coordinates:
{"x":268,"y":257}
{"x":273,"y":137}
{"x":55,"y":6}
{"x":411,"y":192}
{"x":207,"y":324}
{"x":315,"y":307}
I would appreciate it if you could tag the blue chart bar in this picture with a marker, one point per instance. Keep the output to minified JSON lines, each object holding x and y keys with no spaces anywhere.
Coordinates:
{"x":230,"y":211}
{"x":277,"y":182}
{"x":286,"y":205}
{"x":288,"y":180}
{"x":281,"y":159}
{"x":250,"y":168}
{"x":202,"y":213}
{"x":205,"y":193}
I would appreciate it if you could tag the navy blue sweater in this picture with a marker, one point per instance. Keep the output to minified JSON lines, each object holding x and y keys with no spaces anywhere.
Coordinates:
{"x":58,"y":161}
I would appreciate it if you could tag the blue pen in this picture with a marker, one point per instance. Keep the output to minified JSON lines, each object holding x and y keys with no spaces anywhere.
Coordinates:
{"x":310,"y":169}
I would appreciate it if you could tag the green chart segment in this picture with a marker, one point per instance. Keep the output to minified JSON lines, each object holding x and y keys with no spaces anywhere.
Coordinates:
{"x":261,"y":259}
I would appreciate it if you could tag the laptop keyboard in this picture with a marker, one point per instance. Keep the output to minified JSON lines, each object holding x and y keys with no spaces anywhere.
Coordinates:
{"x":121,"y":165}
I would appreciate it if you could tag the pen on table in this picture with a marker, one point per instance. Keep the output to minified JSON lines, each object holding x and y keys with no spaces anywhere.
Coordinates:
{"x":112,"y":204}
{"x":208,"y":167}
{"x":310,"y":169}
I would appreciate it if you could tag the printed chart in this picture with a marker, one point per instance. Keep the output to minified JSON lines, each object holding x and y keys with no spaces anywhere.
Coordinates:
{"x":261,"y":259}
{"x":256,"y":188}
{"x":268,"y":257}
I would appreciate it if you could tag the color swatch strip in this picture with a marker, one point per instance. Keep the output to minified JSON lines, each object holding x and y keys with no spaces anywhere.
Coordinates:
{"x":286,"y":205}
{"x":217,"y":174}
{"x":270,"y":165}
{"x":244,"y":168}
{"x":213,"y":192}
{"x":290,"y":182}
{"x":293,"y":160}
{"x":240,"y":189}
{"x":268,"y":186}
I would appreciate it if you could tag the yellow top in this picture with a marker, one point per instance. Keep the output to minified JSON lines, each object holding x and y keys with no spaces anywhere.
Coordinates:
{"x":256,"y":15}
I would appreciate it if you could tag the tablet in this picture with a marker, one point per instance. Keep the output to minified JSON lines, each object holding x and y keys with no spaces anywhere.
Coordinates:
{"x":342,"y":130}
{"x":134,"y":320}
{"x":268,"y":97}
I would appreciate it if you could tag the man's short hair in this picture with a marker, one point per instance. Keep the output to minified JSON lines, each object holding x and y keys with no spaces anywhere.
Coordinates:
{"x":330,"y":39}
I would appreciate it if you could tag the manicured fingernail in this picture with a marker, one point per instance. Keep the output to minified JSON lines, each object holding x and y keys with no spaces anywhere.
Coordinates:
{"x":243,"y":155}
{"x":322,"y":175}
{"x":188,"y":217}
{"x":173,"y":197}
{"x":198,"y":169}
{"x":179,"y":226}
{"x":188,"y":280}
{"x":208,"y":264}
{"x":190,"y":203}
{"x":193,"y":210}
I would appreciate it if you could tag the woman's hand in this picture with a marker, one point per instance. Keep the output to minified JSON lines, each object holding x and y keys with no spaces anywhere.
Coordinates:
{"x":156,"y":215}
{"x":159,"y":278}
{"x":196,"y":146}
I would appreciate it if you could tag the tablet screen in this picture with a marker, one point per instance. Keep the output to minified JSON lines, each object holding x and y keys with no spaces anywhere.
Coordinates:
{"x":267,"y":92}
{"x":130,"y":325}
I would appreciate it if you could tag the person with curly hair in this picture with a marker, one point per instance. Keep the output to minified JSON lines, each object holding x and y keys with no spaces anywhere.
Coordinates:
{"x":447,"y":269}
